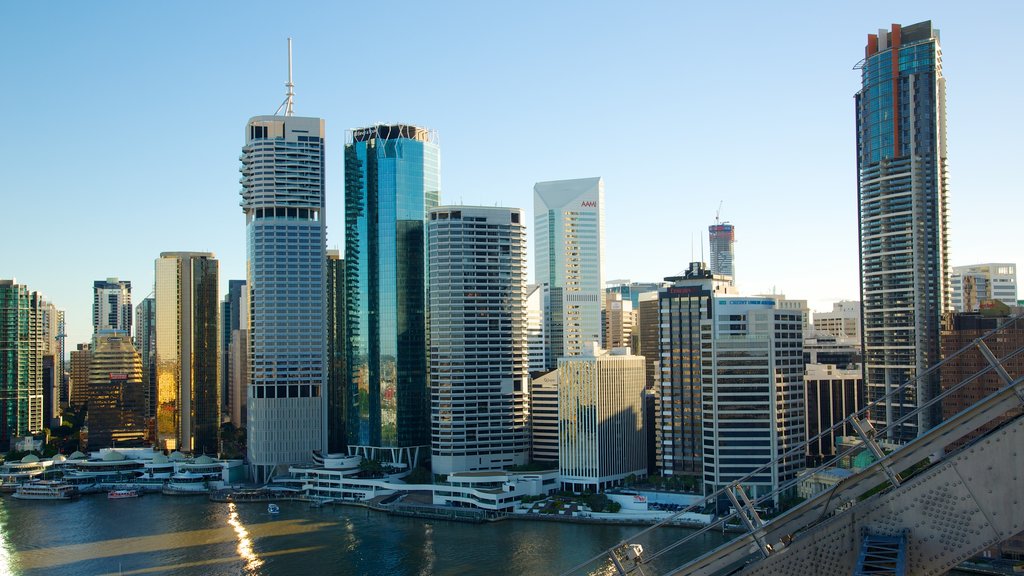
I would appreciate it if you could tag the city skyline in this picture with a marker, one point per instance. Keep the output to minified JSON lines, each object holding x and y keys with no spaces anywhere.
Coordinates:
{"x":642,"y":80}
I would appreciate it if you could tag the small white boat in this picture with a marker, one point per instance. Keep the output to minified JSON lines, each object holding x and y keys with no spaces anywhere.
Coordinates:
{"x":124,"y":493}
{"x":45,"y":490}
{"x":273,"y":509}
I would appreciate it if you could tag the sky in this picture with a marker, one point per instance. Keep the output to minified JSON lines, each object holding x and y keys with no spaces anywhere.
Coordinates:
{"x":124,"y":121}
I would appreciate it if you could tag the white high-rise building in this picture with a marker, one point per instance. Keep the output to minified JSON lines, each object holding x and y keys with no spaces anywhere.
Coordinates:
{"x":569,"y":233}
{"x":601,"y":437}
{"x":478,"y":361}
{"x":112,"y":305}
{"x":536,"y":348}
{"x":972,"y":284}
{"x":283,"y":198}
{"x":752,"y":383}
{"x":842,"y":322}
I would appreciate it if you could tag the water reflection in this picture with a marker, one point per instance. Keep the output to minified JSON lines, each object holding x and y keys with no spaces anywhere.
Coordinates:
{"x":6,"y":560}
{"x":245,"y":550}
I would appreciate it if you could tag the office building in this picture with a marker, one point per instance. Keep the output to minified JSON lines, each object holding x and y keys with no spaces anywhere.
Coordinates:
{"x":283,"y":197}
{"x":78,"y":378}
{"x":21,"y":362}
{"x":682,"y":306}
{"x":752,"y":382}
{"x":902,"y":207}
{"x":337,"y":433}
{"x":831,"y":394}
{"x":632,"y":291}
{"x":648,"y":340}
{"x":478,"y":360}
{"x":231,"y":317}
{"x":187,"y":352}
{"x":536,"y":336}
{"x":112,"y":305}
{"x":842,"y":322}
{"x":145,"y":345}
{"x":392,"y":180}
{"x":824,"y":348}
{"x":962,"y":331}
{"x":569,"y":232}
{"x":117,"y":395}
{"x":52,"y":326}
{"x":544,"y":418}
{"x":721,"y":241}
{"x":238,"y":368}
{"x":619,"y":320}
{"x":783,"y":303}
{"x":970,"y":285}
{"x":601,"y":436}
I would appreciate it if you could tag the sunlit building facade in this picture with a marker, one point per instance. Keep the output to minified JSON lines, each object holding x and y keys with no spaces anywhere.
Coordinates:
{"x":21,"y":362}
{"x":902,"y":202}
{"x":392,"y":180}
{"x":978,"y":282}
{"x":188,"y":352}
{"x":569,"y":238}
{"x":117,"y":395}
{"x":478,"y":359}
{"x":112,"y":305}
{"x":283,"y":197}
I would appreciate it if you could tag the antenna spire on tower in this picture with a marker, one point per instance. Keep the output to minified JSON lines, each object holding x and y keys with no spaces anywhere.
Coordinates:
{"x":289,"y":98}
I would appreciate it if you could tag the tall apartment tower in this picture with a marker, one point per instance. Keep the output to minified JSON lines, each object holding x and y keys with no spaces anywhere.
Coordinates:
{"x":977,"y":282}
{"x":392,"y":180}
{"x":283,"y":197}
{"x":901,"y":177}
{"x":117,"y":395}
{"x":478,"y":360}
{"x":721,"y":241}
{"x":569,"y":233}
{"x":53,"y":365}
{"x":145,"y":345}
{"x":187,"y":352}
{"x":682,"y":307}
{"x":337,"y":435}
{"x":21,"y":362}
{"x":752,"y":380}
{"x":112,"y":305}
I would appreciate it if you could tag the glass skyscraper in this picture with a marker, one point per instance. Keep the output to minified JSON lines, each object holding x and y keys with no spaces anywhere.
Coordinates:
{"x":187,"y":352}
{"x":392,"y":179}
{"x":283,"y":199}
{"x":21,"y":362}
{"x":904,"y":259}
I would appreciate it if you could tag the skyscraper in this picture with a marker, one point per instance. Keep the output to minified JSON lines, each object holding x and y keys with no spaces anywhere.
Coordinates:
{"x":535,"y":325}
{"x":117,"y":396}
{"x":145,"y":345}
{"x":721,"y":241}
{"x":21,"y":362}
{"x":752,"y":372}
{"x":901,"y":177}
{"x":187,"y":352}
{"x":231,"y":317}
{"x":682,"y":307}
{"x":569,"y":231}
{"x":392,"y":179}
{"x":478,"y":359}
{"x":283,"y":198}
{"x":112,"y":305}
{"x":337,"y":435}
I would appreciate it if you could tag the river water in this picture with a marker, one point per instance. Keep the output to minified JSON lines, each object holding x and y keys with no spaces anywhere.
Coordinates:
{"x":159,"y":534}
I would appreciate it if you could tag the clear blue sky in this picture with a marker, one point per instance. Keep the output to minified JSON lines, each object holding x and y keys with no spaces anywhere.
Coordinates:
{"x":124,"y":122}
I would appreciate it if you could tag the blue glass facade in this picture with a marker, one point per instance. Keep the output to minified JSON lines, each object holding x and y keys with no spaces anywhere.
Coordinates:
{"x":392,"y":180}
{"x":901,"y":173}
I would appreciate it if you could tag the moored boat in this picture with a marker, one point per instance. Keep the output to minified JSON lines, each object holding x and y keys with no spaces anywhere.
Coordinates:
{"x":45,"y":490}
{"x":273,"y":508}
{"x":122,"y":493}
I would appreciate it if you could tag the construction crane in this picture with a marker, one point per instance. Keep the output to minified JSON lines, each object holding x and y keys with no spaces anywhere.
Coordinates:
{"x":719,"y":211}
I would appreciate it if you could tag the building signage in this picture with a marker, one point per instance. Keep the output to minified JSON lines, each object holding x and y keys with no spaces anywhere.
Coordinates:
{"x":114,"y":376}
{"x":588,"y":204}
{"x":746,"y":302}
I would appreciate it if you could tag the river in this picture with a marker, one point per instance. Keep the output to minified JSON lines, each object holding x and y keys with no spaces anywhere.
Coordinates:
{"x":159,"y":534}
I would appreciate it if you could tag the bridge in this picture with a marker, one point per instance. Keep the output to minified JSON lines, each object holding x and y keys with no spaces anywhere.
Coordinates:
{"x":921,"y":508}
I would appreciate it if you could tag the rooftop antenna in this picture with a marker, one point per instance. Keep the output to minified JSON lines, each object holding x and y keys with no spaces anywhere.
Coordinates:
{"x":289,"y":99}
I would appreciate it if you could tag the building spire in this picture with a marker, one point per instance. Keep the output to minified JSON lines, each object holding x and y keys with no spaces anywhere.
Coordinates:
{"x":289,"y":98}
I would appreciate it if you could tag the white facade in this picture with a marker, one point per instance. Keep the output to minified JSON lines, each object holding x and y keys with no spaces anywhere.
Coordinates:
{"x":569,"y":233}
{"x":752,"y":383}
{"x":977,"y":282}
{"x":601,"y":437}
{"x":842,"y":322}
{"x":112,"y":305}
{"x":478,"y":362}
{"x":283,"y":200}
{"x":536,"y":348}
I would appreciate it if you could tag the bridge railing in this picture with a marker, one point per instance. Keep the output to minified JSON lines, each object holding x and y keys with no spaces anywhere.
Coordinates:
{"x":998,"y":402}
